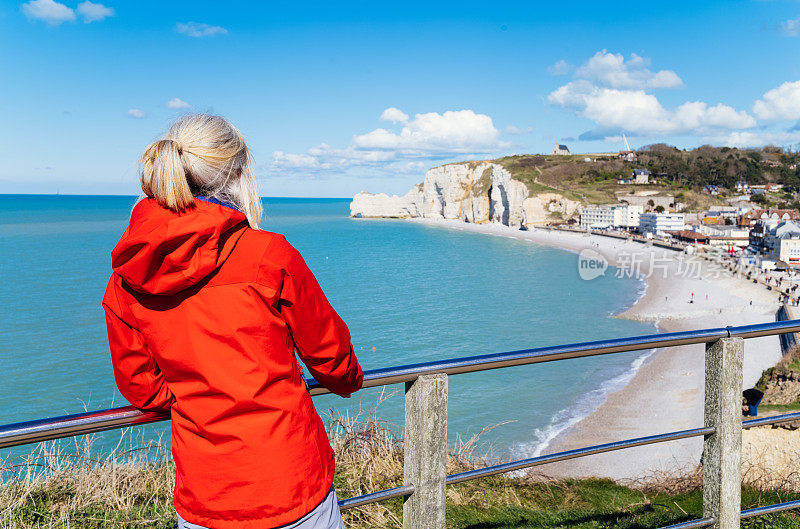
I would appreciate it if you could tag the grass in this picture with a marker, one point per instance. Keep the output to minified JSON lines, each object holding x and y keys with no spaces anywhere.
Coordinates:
{"x":794,"y":406}
{"x":788,"y":364}
{"x":592,"y":182}
{"x":131,"y":487}
{"x":484,"y":183}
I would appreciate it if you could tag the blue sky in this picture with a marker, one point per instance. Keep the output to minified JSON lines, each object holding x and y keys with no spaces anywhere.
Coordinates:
{"x":336,"y":98}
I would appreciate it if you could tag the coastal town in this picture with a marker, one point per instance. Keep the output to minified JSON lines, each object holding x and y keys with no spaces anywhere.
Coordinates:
{"x":767,"y":238}
{"x":764,"y":242}
{"x":770,"y":236}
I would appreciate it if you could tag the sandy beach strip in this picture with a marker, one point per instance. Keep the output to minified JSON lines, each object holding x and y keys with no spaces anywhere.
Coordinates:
{"x":666,"y":393}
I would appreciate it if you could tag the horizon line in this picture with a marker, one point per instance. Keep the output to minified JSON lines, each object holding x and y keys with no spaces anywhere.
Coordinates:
{"x":134,"y":196}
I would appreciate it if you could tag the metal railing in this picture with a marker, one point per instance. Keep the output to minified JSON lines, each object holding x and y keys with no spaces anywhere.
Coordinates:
{"x":426,"y":395}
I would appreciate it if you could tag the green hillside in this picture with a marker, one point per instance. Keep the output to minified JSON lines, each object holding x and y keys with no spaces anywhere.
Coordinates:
{"x":682,"y":173}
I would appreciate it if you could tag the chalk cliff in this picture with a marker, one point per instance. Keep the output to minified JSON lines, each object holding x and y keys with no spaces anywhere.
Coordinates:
{"x":471,"y":192}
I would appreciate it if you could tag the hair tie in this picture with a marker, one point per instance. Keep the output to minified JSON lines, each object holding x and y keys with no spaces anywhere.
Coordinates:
{"x":178,"y":146}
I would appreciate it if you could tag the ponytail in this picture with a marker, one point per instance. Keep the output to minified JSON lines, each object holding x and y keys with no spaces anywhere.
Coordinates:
{"x":163,"y":175}
{"x":201,"y":155}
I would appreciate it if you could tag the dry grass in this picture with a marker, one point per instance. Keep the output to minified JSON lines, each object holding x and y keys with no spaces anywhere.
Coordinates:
{"x":790,"y":361}
{"x":770,"y":462}
{"x":68,"y":485}
{"x":369,"y":457}
{"x":677,"y":481}
{"x":64,"y":484}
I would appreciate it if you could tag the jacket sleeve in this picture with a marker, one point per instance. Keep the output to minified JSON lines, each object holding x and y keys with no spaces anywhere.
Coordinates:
{"x":321,"y":337}
{"x":138,"y":377}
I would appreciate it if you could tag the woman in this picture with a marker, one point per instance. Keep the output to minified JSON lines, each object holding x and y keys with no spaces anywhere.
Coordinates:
{"x":204,"y":313}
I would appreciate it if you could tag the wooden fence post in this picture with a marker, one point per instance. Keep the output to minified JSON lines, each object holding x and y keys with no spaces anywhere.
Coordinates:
{"x":425,"y":464}
{"x":722,"y":451}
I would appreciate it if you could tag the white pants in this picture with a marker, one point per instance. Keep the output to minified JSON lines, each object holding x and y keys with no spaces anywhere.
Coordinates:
{"x":326,"y":515}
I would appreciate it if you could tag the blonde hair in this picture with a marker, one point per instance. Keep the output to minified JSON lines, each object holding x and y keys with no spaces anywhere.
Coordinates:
{"x":201,"y":155}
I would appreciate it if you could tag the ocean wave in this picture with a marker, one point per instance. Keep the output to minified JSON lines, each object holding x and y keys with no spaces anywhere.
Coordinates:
{"x":578,"y":410}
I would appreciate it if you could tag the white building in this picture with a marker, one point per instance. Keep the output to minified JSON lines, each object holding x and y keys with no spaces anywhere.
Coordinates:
{"x":782,"y":242}
{"x":597,"y":217}
{"x":722,"y":230}
{"x":648,"y":201}
{"x":726,"y":235}
{"x":641,"y":176}
{"x":610,"y":216}
{"x":628,"y":216}
{"x":560,"y":149}
{"x":658,"y":223}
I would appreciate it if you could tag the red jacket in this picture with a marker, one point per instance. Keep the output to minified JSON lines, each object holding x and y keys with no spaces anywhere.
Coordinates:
{"x":204,"y":315}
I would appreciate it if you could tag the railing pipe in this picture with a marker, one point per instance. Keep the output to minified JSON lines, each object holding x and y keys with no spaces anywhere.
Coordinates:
{"x":374,"y":497}
{"x":83,"y":423}
{"x":775,"y":419}
{"x":764,"y":329}
{"x":472,"y":364}
{"x":572,"y":454}
{"x":27,"y":432}
{"x":769,"y":509}
{"x":702,"y":522}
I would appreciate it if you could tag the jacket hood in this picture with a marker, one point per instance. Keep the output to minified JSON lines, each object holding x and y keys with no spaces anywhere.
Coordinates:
{"x":163,"y":252}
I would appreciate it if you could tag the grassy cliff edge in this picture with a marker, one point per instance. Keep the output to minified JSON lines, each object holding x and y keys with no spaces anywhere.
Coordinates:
{"x":70,"y":486}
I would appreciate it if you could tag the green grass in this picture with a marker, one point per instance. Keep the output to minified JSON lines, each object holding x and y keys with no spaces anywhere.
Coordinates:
{"x":794,"y":406}
{"x":484,"y":183}
{"x":591,"y":182}
{"x":604,"y":504}
{"x":492,"y":503}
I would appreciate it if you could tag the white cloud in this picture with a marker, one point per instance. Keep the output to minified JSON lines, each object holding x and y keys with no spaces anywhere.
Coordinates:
{"x":282,"y":159}
{"x":638,"y":112}
{"x":395,"y":115}
{"x":612,"y":70}
{"x":328,"y":156}
{"x":757,"y":138}
{"x":452,"y":131}
{"x":511,"y":129}
{"x":177,"y":103}
{"x":779,"y":104}
{"x":419,"y":142}
{"x":197,"y":29}
{"x":91,"y":12}
{"x":49,"y":11}
{"x":791,"y":28}
{"x":561,"y":67}
{"x":136,"y":113}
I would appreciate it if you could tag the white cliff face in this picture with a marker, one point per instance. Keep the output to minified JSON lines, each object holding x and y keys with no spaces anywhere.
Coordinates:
{"x":382,"y":205}
{"x":471,"y":192}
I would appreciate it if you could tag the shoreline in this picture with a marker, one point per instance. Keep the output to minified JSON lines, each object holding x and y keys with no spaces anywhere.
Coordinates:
{"x":664,"y":392}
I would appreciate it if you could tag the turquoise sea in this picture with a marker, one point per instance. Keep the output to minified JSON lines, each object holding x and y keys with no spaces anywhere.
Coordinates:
{"x":413,"y":292}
